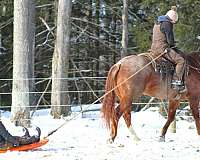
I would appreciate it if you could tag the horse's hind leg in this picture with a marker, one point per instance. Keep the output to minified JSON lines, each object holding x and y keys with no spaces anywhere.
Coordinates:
{"x":126,"y":107}
{"x":114,"y":124}
{"x":194,"y":104}
{"x":127,"y":118}
{"x":173,"y":105}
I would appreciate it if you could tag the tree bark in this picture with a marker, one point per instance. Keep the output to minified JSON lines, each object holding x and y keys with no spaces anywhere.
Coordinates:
{"x":124,"y":29}
{"x":97,"y":44}
{"x":23,"y":60}
{"x":0,"y":43}
{"x":60,"y":63}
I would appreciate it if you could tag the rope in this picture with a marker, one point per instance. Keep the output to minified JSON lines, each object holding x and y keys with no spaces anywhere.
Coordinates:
{"x":195,"y":68}
{"x":74,"y":117}
{"x":149,"y":56}
{"x":41,"y":98}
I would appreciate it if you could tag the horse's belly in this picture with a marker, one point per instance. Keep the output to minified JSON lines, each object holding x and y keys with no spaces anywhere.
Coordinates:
{"x":161,"y":90}
{"x":156,"y":88}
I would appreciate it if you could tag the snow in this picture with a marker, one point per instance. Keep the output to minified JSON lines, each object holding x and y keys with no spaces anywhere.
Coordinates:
{"x":85,"y":138}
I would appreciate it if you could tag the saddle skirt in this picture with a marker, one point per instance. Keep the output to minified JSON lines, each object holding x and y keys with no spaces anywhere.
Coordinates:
{"x":165,"y":68}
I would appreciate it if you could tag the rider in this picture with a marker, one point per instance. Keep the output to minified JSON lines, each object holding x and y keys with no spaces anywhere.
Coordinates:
{"x":7,"y":140}
{"x":163,"y":41}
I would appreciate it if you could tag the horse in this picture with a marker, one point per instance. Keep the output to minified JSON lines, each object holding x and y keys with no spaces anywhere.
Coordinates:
{"x":132,"y":76}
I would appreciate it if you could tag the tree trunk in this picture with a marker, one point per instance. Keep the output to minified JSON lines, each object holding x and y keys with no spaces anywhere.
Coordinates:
{"x":23,"y":60}
{"x":60,"y":63}
{"x":124,"y":29}
{"x":115,"y":31}
{"x":0,"y":43}
{"x":97,"y":44}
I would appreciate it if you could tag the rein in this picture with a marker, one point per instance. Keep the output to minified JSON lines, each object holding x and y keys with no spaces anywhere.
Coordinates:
{"x":195,"y":68}
{"x":195,"y":61}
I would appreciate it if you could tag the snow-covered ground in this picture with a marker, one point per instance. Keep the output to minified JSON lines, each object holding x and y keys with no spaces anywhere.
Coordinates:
{"x":85,"y":138}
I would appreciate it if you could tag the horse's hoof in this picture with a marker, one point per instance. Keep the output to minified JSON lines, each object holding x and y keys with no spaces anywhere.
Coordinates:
{"x":110,"y":141}
{"x":162,"y":139}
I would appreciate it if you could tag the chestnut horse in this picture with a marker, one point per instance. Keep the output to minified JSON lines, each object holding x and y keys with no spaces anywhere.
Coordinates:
{"x":132,"y":77}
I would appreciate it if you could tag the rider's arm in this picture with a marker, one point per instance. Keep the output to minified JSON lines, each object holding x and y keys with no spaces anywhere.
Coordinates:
{"x":167,"y":29}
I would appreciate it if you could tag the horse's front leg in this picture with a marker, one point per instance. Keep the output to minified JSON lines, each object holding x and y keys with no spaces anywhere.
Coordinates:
{"x":173,"y":105}
{"x":194,"y":104}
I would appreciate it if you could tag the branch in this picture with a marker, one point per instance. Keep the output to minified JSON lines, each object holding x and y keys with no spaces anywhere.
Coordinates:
{"x":44,"y":5}
{"x":86,"y":21}
{"x":50,"y":31}
{"x":47,"y":26}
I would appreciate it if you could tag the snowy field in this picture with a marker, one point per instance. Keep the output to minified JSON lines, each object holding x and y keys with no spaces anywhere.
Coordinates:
{"x":84,"y":138}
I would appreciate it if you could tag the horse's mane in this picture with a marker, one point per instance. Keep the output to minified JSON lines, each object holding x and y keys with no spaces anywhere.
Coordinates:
{"x":193,"y":59}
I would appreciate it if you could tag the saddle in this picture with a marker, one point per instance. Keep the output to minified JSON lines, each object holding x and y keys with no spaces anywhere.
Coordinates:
{"x":166,"y":69}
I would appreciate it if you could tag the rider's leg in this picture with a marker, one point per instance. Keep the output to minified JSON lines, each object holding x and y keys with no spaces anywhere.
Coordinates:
{"x":180,"y":62}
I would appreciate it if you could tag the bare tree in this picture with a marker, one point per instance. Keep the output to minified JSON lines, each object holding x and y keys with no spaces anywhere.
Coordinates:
{"x":0,"y":43}
{"x":60,"y":63}
{"x":23,"y":60}
{"x":124,"y":29}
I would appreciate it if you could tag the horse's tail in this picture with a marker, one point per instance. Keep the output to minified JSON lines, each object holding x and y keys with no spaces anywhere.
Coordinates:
{"x":108,"y":107}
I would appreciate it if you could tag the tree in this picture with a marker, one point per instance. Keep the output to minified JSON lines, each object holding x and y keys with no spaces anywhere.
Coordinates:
{"x":125,"y":28}
{"x":93,"y":38}
{"x":60,"y":63}
{"x":23,"y":60}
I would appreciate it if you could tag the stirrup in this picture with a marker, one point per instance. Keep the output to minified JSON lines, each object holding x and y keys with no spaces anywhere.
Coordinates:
{"x":176,"y":83}
{"x":180,"y":88}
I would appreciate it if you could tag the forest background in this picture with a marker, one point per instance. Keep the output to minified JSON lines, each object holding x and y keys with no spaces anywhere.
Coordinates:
{"x":96,"y":34}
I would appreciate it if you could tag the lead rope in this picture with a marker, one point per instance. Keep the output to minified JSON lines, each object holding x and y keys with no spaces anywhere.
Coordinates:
{"x":75,"y":116}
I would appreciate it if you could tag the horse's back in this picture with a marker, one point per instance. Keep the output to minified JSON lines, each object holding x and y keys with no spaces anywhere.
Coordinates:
{"x":143,"y":77}
{"x":133,"y":73}
{"x":133,"y":61}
